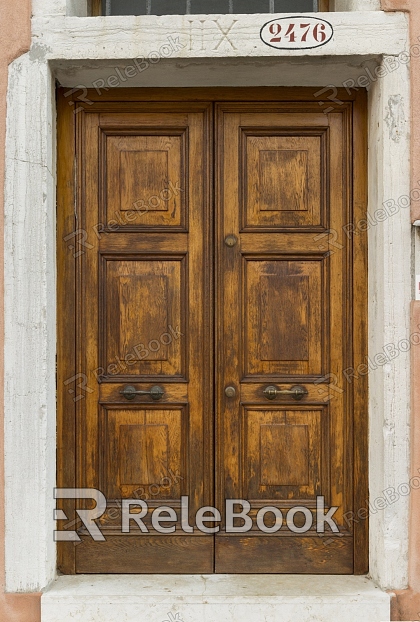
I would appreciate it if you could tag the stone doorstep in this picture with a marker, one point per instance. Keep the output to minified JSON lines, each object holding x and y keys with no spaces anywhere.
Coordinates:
{"x":214,"y":598}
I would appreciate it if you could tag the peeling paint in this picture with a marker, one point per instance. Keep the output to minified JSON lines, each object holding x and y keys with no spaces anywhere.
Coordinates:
{"x":39,"y":51}
{"x":395,"y":119}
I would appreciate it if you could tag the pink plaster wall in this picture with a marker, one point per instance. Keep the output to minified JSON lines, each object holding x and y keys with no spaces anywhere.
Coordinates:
{"x":406,"y":604}
{"x":15,"y":39}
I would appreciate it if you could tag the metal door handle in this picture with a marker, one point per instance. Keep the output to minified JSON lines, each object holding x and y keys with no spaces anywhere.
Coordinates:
{"x":130,"y":392}
{"x":297,"y":392}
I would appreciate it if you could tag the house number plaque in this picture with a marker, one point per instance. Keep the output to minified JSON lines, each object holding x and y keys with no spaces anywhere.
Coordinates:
{"x":299,"y":32}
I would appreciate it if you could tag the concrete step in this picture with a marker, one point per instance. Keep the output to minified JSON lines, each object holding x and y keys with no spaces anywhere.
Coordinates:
{"x":214,"y":598}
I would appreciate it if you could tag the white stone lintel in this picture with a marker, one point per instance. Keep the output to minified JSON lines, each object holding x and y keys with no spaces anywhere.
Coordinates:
{"x":209,"y":36}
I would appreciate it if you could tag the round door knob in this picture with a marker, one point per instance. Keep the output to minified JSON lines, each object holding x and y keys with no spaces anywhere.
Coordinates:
{"x":230,"y":391}
{"x":231,"y":240}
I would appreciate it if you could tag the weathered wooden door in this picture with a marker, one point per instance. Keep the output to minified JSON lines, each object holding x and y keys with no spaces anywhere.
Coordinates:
{"x":284,"y":318}
{"x":180,"y":389}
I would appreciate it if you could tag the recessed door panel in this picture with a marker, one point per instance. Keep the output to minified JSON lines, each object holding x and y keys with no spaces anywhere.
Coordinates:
{"x":284,"y":453}
{"x":282,"y":179}
{"x":142,"y":448}
{"x":284,"y":316}
{"x":145,"y":177}
{"x":145,"y":306}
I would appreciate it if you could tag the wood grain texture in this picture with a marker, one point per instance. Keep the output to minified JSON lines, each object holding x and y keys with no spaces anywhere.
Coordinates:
{"x":142,"y":555}
{"x":145,"y":308}
{"x":277,"y":555}
{"x":67,"y":247}
{"x":143,"y":311}
{"x":283,"y":454}
{"x":359,"y":259}
{"x":96,"y":7}
{"x":284,"y":315}
{"x":281,"y":187}
{"x":141,"y":448}
{"x":144,"y":176}
{"x":291,"y":309}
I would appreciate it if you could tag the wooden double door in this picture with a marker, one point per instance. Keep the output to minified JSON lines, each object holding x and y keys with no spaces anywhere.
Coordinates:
{"x":211,"y":298}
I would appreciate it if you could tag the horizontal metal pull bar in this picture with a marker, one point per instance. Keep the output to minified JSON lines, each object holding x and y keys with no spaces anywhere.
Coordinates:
{"x":297,"y":392}
{"x":130,"y":392}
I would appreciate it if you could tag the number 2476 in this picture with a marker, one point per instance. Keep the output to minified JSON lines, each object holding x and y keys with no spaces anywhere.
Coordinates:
{"x":316,"y":32}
